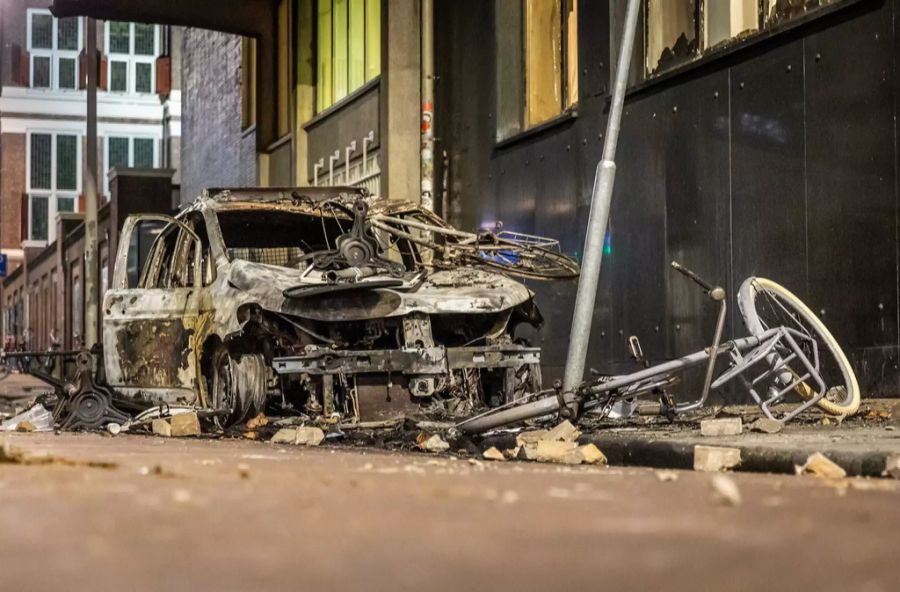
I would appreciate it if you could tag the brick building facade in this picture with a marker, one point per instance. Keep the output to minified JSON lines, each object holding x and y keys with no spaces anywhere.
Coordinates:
{"x":216,"y":150}
{"x":43,"y":131}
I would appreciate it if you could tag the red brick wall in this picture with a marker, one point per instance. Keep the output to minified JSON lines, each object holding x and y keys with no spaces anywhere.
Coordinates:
{"x":12,"y":188}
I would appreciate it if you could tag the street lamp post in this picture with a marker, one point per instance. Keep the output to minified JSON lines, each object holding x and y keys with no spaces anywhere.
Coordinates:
{"x":599,"y":218}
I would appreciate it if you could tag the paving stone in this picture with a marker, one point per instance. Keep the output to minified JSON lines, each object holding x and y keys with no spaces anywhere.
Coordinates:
{"x":820,"y":465}
{"x":716,"y":458}
{"x":766,"y":426}
{"x":185,"y":424}
{"x":728,"y":426}
{"x":161,"y":427}
{"x":493,"y":453}
{"x":564,"y":432}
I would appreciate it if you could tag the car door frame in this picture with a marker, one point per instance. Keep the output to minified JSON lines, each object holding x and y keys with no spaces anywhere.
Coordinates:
{"x":148,"y":332}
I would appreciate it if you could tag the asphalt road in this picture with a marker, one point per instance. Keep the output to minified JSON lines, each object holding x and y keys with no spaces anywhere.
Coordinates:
{"x":235,"y":515}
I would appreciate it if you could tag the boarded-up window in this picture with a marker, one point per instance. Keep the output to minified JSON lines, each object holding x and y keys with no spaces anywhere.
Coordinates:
{"x":679,"y":31}
{"x":671,"y":33}
{"x":726,"y":20}
{"x":537,"y":62}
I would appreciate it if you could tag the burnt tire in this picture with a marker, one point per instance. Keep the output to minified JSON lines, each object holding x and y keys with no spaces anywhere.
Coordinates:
{"x":237,"y":385}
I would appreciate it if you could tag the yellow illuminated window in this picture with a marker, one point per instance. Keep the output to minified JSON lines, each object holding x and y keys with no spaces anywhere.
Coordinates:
{"x":537,"y":62}
{"x":348,"y":48}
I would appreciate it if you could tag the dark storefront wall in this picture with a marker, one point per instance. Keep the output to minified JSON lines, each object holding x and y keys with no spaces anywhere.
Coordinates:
{"x":779,"y":160}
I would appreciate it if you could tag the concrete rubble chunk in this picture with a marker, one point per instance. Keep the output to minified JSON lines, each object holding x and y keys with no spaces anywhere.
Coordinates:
{"x":432,"y":443}
{"x":592,"y":455}
{"x":493,"y":453}
{"x":161,"y":427}
{"x":727,"y":426}
{"x":726,"y":491}
{"x":555,"y":451}
{"x":257,"y":422}
{"x":819,"y":465}
{"x":302,"y":436}
{"x":666,"y":476}
{"x":531,"y":438}
{"x":892,"y":466}
{"x":716,"y":458}
{"x":564,"y":432}
{"x":185,"y":425}
{"x":766,"y":426}
{"x":25,"y":426}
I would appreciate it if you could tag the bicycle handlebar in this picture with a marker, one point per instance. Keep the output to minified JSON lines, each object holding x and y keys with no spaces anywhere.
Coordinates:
{"x":691,"y":276}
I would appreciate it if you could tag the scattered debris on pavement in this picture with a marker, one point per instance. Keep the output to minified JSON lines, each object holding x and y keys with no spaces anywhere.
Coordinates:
{"x":36,"y":419}
{"x":300,"y":436}
{"x":9,"y":454}
{"x":161,"y":427}
{"x":433,"y":443}
{"x":819,"y":465}
{"x":727,"y":426}
{"x":765,"y":425}
{"x":892,"y":466}
{"x":666,"y":476}
{"x":185,"y":424}
{"x":493,"y":453}
{"x":716,"y":458}
{"x":726,"y":491}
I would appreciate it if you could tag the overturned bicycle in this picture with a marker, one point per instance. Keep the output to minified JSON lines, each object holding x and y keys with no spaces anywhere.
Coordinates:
{"x":790,"y":355}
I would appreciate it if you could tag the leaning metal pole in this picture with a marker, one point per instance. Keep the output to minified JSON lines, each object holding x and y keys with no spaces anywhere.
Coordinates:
{"x":91,"y":269}
{"x":600,"y":203}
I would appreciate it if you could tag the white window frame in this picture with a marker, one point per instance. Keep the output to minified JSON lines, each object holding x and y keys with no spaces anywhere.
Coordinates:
{"x":131,"y":138}
{"x":55,"y":54}
{"x":53,"y":194}
{"x":131,"y":60}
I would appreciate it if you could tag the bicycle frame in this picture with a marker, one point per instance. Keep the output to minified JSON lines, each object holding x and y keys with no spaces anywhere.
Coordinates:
{"x":746,"y":354}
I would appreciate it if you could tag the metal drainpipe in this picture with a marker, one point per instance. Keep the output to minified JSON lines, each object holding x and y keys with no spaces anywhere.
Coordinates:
{"x":91,"y":269}
{"x":600,"y":203}
{"x":427,"y":145}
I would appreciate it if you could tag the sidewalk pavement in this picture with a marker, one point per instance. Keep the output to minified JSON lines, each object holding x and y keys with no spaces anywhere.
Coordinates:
{"x":861,"y":445}
{"x":17,"y":390}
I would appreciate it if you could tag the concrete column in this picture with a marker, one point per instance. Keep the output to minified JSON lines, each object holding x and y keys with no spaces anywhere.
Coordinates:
{"x":305,"y":93}
{"x":401,"y":100}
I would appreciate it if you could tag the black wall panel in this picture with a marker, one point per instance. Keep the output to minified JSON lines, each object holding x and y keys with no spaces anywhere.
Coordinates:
{"x":851,"y":185}
{"x":767,"y":168}
{"x":698,"y":206}
{"x":636,"y":258}
{"x":778,"y":160}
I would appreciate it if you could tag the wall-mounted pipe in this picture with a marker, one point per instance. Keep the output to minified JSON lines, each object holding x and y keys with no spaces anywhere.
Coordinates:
{"x":369,"y":139}
{"x":347,"y":152}
{"x":317,"y":168}
{"x":333,"y":159}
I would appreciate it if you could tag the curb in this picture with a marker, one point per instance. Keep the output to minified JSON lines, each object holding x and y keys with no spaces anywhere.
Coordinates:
{"x":663,"y":454}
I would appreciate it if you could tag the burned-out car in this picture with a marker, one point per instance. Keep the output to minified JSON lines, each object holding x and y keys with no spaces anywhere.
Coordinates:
{"x":324,"y":301}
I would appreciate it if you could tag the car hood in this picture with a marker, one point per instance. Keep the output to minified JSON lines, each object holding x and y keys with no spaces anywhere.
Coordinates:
{"x":458,"y":291}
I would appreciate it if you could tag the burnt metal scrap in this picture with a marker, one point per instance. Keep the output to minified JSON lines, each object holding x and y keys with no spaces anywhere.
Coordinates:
{"x":321,"y":303}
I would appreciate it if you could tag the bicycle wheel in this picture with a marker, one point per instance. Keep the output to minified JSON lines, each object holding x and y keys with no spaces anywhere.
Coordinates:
{"x":765,"y":304}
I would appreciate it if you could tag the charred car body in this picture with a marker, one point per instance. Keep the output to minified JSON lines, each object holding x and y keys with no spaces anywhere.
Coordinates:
{"x":325,"y":301}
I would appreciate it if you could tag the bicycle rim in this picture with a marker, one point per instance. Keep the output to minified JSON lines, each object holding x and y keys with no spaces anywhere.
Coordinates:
{"x":765,"y":304}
